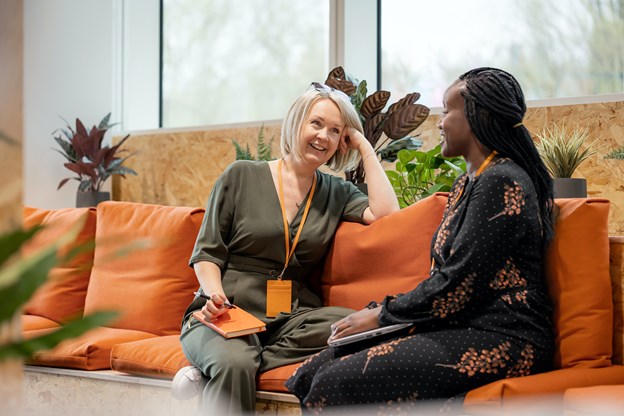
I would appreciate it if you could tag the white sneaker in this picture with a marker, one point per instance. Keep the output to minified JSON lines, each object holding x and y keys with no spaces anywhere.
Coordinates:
{"x":187,"y":383}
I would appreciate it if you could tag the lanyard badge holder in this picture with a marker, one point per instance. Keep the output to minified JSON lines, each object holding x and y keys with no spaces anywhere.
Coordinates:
{"x":279,"y":291}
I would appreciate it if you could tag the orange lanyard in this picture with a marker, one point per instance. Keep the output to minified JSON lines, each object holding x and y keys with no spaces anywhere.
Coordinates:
{"x":484,"y":165}
{"x":290,"y":250}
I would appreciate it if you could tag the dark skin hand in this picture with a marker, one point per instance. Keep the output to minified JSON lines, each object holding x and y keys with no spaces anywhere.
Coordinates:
{"x":356,"y":322}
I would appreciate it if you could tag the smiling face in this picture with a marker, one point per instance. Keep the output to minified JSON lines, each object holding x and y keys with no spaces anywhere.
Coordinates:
{"x":457,"y":139}
{"x":321,"y":132}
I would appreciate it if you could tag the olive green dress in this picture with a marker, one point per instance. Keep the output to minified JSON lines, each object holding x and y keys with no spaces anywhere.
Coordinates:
{"x":243,"y":233}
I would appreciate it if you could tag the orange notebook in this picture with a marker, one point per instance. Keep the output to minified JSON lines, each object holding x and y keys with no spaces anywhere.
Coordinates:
{"x":234,"y":323}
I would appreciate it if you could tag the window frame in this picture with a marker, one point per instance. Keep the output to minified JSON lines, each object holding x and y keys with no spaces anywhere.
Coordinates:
{"x":140,"y":80}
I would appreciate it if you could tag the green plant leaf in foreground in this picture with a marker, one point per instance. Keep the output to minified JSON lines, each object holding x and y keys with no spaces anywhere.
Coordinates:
{"x":72,"y":329}
{"x":11,"y":242}
{"x":20,"y":278}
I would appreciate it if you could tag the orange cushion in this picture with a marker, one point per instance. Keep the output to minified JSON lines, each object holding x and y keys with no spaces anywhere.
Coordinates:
{"x":536,"y":394}
{"x":394,"y":250}
{"x":162,"y":357}
{"x":273,"y":380}
{"x":91,"y":351}
{"x":156,"y":357}
{"x":616,"y":259}
{"x":596,"y":400}
{"x":33,"y":322}
{"x":63,"y":295}
{"x":150,"y":288}
{"x":577,"y":270}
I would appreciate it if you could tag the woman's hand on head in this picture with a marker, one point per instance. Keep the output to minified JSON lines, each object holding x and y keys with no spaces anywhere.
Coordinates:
{"x":215,"y":306}
{"x":351,"y":139}
{"x":356,"y":322}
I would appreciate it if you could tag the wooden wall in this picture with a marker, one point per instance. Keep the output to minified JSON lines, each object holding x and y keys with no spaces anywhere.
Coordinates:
{"x":179,"y":168}
{"x":11,"y":121}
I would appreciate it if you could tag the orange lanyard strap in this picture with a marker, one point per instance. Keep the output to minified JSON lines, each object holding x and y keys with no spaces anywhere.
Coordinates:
{"x":484,"y":165}
{"x":290,"y":250}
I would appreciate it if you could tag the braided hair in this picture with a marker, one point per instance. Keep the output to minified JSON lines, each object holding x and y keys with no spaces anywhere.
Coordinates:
{"x":495,"y":107}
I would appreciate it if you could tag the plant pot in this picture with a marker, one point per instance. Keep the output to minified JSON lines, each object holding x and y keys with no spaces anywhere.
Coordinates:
{"x":90,"y":199}
{"x":570,"y":188}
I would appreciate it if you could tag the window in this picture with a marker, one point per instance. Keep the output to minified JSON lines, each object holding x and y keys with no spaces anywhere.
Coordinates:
{"x":555,"y":48}
{"x":227,"y":62}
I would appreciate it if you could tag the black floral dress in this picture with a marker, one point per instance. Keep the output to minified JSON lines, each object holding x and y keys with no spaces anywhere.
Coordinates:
{"x":482,"y":315}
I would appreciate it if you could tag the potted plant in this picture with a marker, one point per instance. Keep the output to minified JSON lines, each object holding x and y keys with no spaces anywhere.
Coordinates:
{"x":400,"y":119}
{"x":89,"y":160}
{"x":561,"y":152}
{"x":617,"y":154}
{"x":419,"y":174}
{"x":263,"y":149}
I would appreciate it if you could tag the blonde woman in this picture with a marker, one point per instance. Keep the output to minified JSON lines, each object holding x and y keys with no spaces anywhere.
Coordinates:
{"x":270,"y":219}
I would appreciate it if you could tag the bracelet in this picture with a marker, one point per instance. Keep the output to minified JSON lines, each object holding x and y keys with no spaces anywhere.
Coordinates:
{"x":367,"y":156}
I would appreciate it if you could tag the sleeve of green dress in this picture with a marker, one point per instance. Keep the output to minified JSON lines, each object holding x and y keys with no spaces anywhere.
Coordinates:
{"x":357,"y":202}
{"x":483,"y":250}
{"x":214,"y":234}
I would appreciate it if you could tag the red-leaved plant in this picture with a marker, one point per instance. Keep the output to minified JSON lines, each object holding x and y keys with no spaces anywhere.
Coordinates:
{"x":86,"y":157}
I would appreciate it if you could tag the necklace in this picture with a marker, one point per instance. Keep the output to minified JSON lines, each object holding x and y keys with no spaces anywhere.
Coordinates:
{"x":292,"y":191}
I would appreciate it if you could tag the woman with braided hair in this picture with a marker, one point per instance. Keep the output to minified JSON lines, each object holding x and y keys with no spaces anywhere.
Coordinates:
{"x":484,"y":312}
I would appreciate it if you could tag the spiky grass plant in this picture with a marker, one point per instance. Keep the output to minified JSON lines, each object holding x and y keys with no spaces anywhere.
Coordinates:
{"x":616,"y":154}
{"x":563,"y":151}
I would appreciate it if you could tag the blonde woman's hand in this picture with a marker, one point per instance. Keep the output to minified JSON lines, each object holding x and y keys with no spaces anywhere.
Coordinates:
{"x":215,"y":306}
{"x":352,"y":139}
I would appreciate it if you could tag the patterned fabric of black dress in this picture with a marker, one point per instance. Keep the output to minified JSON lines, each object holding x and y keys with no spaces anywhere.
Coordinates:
{"x":482,"y":315}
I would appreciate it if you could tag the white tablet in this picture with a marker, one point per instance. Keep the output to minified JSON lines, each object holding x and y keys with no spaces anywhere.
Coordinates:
{"x":371,"y":333}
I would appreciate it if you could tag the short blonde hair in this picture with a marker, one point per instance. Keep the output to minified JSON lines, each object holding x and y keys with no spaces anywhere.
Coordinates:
{"x":300,"y":110}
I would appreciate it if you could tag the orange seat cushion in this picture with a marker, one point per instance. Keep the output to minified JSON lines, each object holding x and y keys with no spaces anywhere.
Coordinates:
{"x":596,"y":400}
{"x":538,"y":394}
{"x":162,"y":357}
{"x":151,"y":287}
{"x":63,"y":295}
{"x":577,"y":270}
{"x":90,"y":351}
{"x":273,"y":380}
{"x":158,"y":357}
{"x":33,"y":322}
{"x":394,"y":250}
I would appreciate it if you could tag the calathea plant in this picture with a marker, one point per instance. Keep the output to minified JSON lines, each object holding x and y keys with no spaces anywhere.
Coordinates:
{"x":401,"y":118}
{"x":87,"y":158}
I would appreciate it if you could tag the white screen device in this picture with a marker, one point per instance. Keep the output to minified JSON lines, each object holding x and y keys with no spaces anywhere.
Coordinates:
{"x":365,"y":335}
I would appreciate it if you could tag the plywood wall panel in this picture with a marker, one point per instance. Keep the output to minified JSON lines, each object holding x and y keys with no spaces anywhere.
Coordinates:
{"x":180,"y":168}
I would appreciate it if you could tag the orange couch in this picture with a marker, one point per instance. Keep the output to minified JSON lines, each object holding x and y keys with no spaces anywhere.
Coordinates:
{"x":151,"y":288}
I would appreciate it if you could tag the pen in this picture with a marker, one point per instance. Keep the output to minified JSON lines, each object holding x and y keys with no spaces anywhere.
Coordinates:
{"x":226,"y":304}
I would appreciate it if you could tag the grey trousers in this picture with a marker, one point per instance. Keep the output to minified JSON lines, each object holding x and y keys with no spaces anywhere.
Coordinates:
{"x":230,"y":365}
